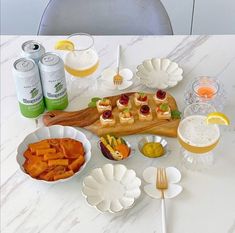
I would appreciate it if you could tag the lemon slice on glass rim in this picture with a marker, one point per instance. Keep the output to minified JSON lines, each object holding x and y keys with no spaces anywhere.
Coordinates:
{"x":64,"y":45}
{"x":217,"y":118}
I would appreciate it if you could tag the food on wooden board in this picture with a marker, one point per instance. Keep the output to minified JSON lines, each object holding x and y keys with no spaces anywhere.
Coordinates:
{"x":175,"y":114}
{"x":54,"y":159}
{"x":107,"y":118}
{"x":103,"y":105}
{"x":89,"y":118}
{"x":140,"y":99}
{"x":163,"y":111}
{"x":160,"y":97}
{"x":123,"y":102}
{"x":126,"y":117}
{"x":114,"y":148}
{"x":145,"y":113}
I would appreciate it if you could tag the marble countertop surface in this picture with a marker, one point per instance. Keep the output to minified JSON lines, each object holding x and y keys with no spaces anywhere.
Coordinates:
{"x":207,"y":203}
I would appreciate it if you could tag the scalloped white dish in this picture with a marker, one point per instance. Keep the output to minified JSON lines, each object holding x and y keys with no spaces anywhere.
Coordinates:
{"x":111,"y":188}
{"x":107,"y":79}
{"x":55,"y":131}
{"x":159,"y":73}
{"x":173,"y":177}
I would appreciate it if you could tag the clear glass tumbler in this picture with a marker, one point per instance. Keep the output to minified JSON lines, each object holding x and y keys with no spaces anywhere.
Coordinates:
{"x":207,"y":90}
{"x":197,"y":138}
{"x":82,"y":62}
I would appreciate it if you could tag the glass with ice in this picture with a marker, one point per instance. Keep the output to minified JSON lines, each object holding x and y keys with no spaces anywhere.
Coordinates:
{"x":197,"y":137}
{"x":81,"y":61}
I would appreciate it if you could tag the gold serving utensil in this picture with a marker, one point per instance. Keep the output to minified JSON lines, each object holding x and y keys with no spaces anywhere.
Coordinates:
{"x":162,"y":185}
{"x":118,"y":79}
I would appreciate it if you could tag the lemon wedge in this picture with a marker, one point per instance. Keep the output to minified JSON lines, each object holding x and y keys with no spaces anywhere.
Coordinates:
{"x":64,"y":45}
{"x":217,"y":118}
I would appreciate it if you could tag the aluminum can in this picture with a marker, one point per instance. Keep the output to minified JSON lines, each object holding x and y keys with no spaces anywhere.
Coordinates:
{"x":53,"y":80}
{"x":28,"y":87}
{"x":32,"y":49}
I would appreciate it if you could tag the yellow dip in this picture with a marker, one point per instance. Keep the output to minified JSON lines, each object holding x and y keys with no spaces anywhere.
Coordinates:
{"x":153,"y":149}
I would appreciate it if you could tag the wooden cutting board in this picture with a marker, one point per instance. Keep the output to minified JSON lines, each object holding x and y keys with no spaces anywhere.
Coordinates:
{"x":88,"y":118}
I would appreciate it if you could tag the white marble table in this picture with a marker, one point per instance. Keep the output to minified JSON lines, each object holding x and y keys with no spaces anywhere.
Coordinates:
{"x":207,"y":204}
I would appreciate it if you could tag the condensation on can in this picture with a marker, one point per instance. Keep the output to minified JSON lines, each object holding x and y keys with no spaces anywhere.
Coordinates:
{"x":33,"y":50}
{"x":53,"y":79}
{"x":28,"y":87}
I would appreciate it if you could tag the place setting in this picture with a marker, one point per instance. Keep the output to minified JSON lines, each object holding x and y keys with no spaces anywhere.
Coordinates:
{"x":61,"y":149}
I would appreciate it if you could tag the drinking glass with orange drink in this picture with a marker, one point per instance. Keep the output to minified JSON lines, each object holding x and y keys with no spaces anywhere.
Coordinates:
{"x":81,"y":59}
{"x":199,"y":133}
{"x":207,"y":90}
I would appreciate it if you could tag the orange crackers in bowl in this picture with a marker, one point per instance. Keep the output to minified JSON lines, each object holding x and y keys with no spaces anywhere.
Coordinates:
{"x":54,"y":159}
{"x":54,"y":153}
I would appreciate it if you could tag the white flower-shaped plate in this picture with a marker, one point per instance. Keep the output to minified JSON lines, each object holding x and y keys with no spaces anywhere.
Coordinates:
{"x":107,"y":79}
{"x":55,"y":131}
{"x":159,"y":73}
{"x":112,"y":188}
{"x":173,"y":177}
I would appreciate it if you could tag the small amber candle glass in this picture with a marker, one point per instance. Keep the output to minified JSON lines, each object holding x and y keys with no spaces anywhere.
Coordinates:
{"x":205,"y":88}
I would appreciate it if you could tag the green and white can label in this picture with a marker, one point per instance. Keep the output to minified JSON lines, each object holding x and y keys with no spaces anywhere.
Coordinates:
{"x":28,"y":87}
{"x":53,"y":81}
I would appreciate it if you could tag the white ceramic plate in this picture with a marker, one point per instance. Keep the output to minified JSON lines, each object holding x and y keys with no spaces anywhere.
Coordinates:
{"x":55,"y":131}
{"x":173,"y":177}
{"x":112,"y":188}
{"x":159,"y":73}
{"x":107,"y":79}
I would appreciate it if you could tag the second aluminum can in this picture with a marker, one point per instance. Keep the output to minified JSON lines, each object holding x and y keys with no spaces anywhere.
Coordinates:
{"x":28,"y":87}
{"x":53,"y":80}
{"x":33,"y":50}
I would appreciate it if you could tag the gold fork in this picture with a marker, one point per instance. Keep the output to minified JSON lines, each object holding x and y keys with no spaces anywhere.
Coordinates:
{"x":117,"y":79}
{"x":162,"y":185}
